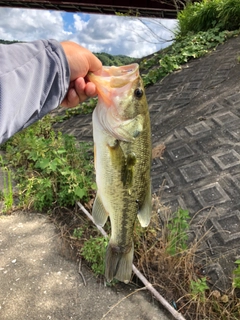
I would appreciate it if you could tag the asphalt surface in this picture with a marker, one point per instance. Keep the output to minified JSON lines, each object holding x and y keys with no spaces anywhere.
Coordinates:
{"x":37,"y":281}
{"x":195,"y":113}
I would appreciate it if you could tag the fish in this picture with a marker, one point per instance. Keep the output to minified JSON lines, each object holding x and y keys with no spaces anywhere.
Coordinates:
{"x":122,"y":159}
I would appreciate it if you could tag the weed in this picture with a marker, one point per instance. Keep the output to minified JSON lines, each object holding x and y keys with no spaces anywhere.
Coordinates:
{"x":198,"y":288}
{"x":172,"y":268}
{"x":7,"y":193}
{"x":198,"y":16}
{"x":52,"y":169}
{"x":229,"y":12}
{"x":182,"y":50}
{"x":236,"y":276}
{"x":93,"y":251}
{"x":207,"y":14}
{"x":177,"y":229}
{"x":78,"y":233}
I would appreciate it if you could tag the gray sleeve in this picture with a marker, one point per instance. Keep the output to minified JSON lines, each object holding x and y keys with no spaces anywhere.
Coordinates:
{"x":34,"y":79}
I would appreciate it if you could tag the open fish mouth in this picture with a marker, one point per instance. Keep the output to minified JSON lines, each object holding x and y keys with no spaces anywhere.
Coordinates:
{"x":111,"y":73}
{"x":112,"y":78}
{"x":114,"y":84}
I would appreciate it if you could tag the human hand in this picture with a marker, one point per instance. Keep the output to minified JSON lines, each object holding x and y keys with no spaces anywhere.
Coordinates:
{"x":80,"y":61}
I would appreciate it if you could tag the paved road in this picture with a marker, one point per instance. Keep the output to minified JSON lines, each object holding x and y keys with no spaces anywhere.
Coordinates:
{"x":38,"y":282}
{"x":195,"y":113}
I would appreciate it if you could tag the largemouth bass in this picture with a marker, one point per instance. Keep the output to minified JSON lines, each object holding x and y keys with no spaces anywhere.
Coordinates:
{"x":122,"y":152}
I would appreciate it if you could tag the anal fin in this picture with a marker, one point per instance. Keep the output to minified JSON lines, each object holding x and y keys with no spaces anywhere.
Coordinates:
{"x":98,"y":212}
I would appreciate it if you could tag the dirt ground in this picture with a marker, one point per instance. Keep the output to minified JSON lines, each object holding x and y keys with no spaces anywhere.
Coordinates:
{"x":38,"y":282}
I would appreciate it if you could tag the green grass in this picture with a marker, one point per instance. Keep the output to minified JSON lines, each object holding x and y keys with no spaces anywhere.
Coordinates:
{"x":93,"y":251}
{"x":184,"y":48}
{"x":202,"y":27}
{"x":7,"y":193}
{"x":207,"y":14}
{"x":236,"y":275}
{"x":51,"y":169}
{"x":177,"y":228}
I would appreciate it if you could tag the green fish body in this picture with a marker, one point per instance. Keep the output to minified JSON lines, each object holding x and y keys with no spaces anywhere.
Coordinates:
{"x":122,"y":150}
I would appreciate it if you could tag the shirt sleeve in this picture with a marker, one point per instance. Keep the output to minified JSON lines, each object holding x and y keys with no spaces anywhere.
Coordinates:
{"x":34,"y":79}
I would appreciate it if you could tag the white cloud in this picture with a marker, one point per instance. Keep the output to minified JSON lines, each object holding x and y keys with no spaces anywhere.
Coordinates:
{"x":29,"y":25}
{"x":111,"y":34}
{"x":79,"y":24}
{"x":124,"y":35}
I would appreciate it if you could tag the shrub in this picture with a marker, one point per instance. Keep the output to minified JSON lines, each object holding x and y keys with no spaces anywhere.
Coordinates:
{"x":224,"y":14}
{"x":229,"y":14}
{"x":52,"y":169}
{"x":199,"y":16}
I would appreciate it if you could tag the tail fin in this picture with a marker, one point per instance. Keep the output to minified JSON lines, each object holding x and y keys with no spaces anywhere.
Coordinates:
{"x":118,"y":264}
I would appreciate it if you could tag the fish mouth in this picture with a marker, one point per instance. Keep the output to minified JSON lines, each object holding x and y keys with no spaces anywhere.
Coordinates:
{"x":123,"y":72}
{"x":112,"y":78}
{"x":116,"y":76}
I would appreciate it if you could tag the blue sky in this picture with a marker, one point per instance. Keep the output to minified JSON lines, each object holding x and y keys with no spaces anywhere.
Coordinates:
{"x":69,"y":20}
{"x":99,"y":33}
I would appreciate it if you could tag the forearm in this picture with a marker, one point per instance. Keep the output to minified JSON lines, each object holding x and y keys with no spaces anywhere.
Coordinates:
{"x":34,"y":78}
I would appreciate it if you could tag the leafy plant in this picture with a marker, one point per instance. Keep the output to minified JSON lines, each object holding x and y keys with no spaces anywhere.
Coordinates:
{"x":236,"y":275}
{"x":181,"y":51}
{"x":229,"y":14}
{"x":177,"y":229}
{"x":202,"y":26}
{"x":93,"y":251}
{"x":52,"y":169}
{"x":7,"y":193}
{"x":78,"y":233}
{"x":207,"y":14}
{"x":199,"y":16}
{"x":198,"y":288}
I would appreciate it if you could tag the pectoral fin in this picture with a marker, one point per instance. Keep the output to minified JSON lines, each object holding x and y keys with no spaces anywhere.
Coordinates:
{"x":98,"y":212}
{"x":145,"y":211}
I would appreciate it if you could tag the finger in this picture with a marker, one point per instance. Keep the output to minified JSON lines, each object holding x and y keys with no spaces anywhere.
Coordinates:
{"x":84,"y":89}
{"x":90,"y":89}
{"x":71,"y":100}
{"x":79,"y":85}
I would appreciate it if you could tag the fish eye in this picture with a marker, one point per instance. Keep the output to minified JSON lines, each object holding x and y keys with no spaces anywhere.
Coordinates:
{"x":138,"y":93}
